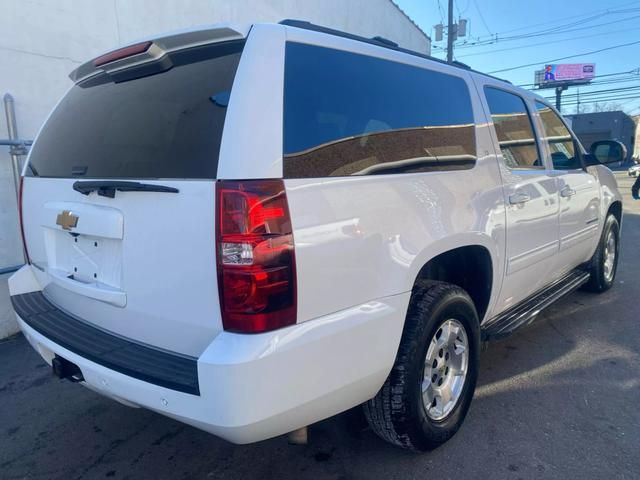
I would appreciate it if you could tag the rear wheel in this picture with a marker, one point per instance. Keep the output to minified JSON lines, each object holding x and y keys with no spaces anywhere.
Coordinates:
{"x":604,"y":264}
{"x":428,"y":392}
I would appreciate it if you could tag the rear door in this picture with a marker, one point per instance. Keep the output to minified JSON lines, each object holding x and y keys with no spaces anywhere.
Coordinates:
{"x":139,"y":262}
{"x":531,"y":198}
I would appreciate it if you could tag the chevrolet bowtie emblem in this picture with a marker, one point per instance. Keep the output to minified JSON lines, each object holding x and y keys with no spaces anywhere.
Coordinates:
{"x":67,"y":220}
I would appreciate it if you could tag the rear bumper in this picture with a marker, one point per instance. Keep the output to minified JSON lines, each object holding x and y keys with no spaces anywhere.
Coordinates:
{"x":167,"y":369}
{"x":253,"y":387}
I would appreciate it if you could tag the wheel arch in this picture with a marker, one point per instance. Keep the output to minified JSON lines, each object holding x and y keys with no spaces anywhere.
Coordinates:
{"x":470,"y":267}
{"x":616,"y":210}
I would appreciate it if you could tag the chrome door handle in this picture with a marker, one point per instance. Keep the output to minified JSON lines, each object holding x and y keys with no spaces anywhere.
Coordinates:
{"x":567,"y":192}
{"x":518,"y":198}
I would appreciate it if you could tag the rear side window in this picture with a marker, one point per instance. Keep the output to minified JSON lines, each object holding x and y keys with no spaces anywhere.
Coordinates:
{"x":165,"y":125}
{"x":350,"y":114}
{"x":514,"y":129}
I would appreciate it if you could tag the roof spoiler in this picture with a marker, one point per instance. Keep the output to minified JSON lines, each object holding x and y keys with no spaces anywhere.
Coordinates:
{"x":157,"y":49}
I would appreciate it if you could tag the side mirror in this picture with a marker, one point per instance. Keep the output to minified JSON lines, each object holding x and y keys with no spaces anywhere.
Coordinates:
{"x":605,"y":152}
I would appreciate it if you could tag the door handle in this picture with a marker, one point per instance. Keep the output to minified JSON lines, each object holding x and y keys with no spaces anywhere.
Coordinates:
{"x":518,"y":198}
{"x":567,"y":192}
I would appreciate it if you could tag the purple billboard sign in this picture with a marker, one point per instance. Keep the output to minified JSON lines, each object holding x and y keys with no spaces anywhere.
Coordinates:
{"x":569,"y":72}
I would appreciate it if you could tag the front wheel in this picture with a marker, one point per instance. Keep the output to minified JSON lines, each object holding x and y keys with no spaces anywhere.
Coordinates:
{"x":604,"y":264}
{"x":429,"y":390}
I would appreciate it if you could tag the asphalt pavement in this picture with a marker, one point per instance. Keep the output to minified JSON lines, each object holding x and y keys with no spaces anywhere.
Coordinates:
{"x":558,"y":399}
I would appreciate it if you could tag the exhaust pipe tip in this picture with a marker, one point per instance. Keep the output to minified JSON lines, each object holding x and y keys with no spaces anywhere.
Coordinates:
{"x":298,"y":437}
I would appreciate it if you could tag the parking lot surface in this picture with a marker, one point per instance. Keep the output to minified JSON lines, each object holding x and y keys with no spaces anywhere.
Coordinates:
{"x":559,"y":399}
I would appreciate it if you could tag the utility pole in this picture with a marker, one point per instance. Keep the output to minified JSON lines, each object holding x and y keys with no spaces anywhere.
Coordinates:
{"x":559,"y":91}
{"x":454,"y":30}
{"x":450,"y":34}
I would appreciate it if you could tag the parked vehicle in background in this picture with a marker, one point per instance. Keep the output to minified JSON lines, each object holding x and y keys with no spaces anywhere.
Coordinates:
{"x":253,"y":229}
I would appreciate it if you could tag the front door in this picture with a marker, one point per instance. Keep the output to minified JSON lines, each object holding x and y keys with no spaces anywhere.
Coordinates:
{"x":579,"y":194}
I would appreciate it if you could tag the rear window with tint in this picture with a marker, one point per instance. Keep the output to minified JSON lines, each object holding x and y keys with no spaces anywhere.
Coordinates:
{"x":350,"y":114}
{"x":165,"y":125}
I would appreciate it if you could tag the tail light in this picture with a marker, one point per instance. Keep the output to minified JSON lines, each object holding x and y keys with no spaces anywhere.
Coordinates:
{"x":24,"y":242}
{"x":122,"y":53}
{"x":255,"y":253}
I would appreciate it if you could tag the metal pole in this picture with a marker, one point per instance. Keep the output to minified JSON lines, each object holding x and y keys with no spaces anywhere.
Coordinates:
{"x":559,"y":98}
{"x":12,"y":127}
{"x":450,"y":34}
{"x":559,"y":90}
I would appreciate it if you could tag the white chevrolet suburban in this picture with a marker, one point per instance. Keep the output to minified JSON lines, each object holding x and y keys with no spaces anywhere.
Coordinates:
{"x":253,"y":228}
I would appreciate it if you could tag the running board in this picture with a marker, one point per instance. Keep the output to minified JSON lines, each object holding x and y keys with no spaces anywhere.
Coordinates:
{"x":525,"y":312}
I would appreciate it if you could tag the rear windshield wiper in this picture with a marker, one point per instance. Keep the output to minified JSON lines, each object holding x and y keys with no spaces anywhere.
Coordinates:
{"x":107,"y":188}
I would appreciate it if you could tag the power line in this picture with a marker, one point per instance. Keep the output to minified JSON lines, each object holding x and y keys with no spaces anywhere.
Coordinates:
{"x":597,"y":96}
{"x":464,"y":10}
{"x":601,"y":100}
{"x":441,"y":13}
{"x":465,"y":46}
{"x":559,"y":31}
{"x":596,"y":84}
{"x":587,"y":95}
{"x":612,"y":98}
{"x":488,"y":52}
{"x":610,"y":89}
{"x":589,"y":16}
{"x":546,"y":62}
{"x":484,"y":22}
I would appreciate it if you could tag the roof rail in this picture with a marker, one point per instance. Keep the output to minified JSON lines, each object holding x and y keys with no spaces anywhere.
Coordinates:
{"x":386,"y":41}
{"x":379,"y":41}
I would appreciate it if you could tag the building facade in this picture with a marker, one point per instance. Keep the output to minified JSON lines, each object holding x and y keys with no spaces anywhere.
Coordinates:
{"x":590,"y":127}
{"x":42,"y":41}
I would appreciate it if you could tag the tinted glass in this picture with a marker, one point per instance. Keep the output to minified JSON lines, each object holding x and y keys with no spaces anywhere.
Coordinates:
{"x":350,"y":114}
{"x":559,"y":139}
{"x":160,"y":126}
{"x":513,"y":128}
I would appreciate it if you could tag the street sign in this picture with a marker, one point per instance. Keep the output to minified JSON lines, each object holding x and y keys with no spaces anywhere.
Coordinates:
{"x":565,"y":74}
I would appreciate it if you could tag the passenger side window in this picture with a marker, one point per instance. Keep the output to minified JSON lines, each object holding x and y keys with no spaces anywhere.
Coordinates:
{"x":558,"y":138}
{"x":351,"y":114}
{"x":514,"y":129}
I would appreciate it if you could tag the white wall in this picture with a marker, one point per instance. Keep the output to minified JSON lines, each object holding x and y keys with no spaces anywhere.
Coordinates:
{"x":41,"y":41}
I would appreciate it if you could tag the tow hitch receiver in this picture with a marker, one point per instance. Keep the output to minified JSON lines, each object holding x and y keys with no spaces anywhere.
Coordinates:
{"x":63,"y":368}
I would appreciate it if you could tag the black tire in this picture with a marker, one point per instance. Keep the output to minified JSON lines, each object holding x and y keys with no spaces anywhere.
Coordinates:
{"x":598,"y":282}
{"x":397,"y":413}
